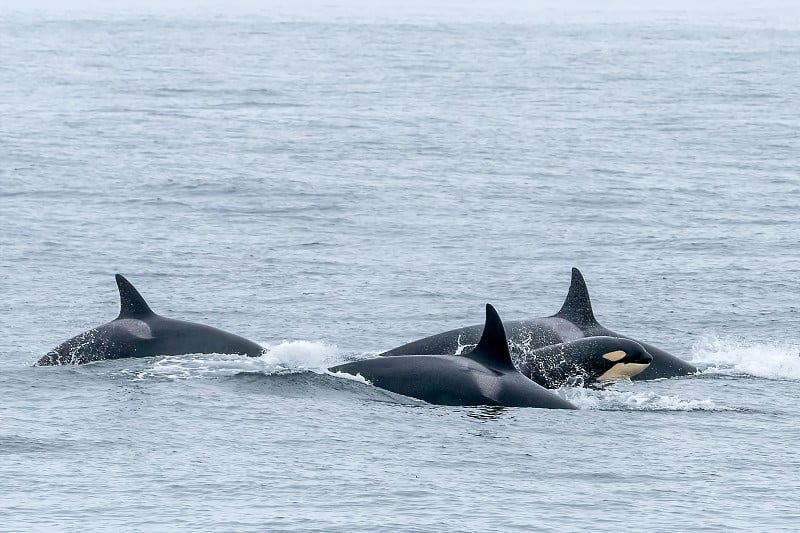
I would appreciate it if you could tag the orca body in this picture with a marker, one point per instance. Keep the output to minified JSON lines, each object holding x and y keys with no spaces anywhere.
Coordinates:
{"x":574,"y":321}
{"x":139,"y":332}
{"x":484,"y":376}
{"x":586,"y":362}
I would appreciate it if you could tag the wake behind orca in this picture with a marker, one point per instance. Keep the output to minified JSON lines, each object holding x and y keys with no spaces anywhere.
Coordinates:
{"x":139,"y":332}
{"x":484,"y":376}
{"x":575,"y":320}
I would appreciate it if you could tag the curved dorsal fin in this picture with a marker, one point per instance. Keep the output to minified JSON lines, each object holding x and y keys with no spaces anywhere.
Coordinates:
{"x":577,"y":307}
{"x":492,"y":349}
{"x":131,"y":303}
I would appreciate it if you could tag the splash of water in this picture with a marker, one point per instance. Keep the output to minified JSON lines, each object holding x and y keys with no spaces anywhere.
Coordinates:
{"x":301,"y":355}
{"x":726,"y":355}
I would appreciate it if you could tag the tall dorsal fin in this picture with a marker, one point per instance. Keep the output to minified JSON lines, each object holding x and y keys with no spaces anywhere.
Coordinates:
{"x":492,"y":349}
{"x":131,"y":303}
{"x":577,"y":307}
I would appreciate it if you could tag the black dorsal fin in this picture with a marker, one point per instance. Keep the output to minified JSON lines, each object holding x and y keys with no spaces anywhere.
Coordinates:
{"x":492,"y":349}
{"x":131,"y":303}
{"x":577,"y":307}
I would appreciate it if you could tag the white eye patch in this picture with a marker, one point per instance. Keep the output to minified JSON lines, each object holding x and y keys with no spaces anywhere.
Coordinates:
{"x":614,"y":356}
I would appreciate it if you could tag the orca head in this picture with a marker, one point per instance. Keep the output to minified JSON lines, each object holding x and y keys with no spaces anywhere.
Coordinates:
{"x":624,"y":359}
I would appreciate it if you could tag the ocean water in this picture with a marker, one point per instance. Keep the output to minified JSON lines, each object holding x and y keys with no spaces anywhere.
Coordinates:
{"x":333,"y":180}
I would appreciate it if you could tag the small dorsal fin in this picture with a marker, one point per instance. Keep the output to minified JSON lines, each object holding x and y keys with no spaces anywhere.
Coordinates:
{"x":131,"y":303}
{"x":577,"y":307}
{"x":492,"y":349}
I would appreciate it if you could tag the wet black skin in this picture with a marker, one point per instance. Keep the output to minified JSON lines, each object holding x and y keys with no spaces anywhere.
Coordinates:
{"x":580,"y":362}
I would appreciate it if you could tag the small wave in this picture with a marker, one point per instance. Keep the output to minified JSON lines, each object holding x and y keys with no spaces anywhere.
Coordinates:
{"x":176,"y":367}
{"x":306,"y":384}
{"x":633,"y":400}
{"x":770,"y":360}
{"x":283,"y":358}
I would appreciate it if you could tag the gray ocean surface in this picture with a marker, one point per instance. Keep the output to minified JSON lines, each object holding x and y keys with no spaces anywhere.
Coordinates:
{"x":332,"y":181}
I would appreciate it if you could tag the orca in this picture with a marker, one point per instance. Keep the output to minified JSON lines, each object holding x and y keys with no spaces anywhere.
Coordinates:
{"x":590,"y":361}
{"x":139,"y":332}
{"x":575,"y":320}
{"x":484,"y":376}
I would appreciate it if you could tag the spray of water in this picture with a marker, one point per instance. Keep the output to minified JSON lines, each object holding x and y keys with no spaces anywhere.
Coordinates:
{"x":725,"y":355}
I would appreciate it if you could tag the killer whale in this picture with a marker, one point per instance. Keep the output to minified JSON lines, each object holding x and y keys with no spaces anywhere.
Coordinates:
{"x":575,"y":320}
{"x":139,"y":332}
{"x":588,"y":361}
{"x":484,"y":376}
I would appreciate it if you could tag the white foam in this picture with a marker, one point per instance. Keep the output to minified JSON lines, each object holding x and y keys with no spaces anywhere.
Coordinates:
{"x":632,"y":400}
{"x":771,"y":360}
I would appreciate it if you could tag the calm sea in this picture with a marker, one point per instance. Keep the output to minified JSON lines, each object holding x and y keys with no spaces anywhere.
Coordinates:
{"x":335,"y":180}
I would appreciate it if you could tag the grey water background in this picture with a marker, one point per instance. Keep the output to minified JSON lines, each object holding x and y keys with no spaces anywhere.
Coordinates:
{"x":333,"y":180}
